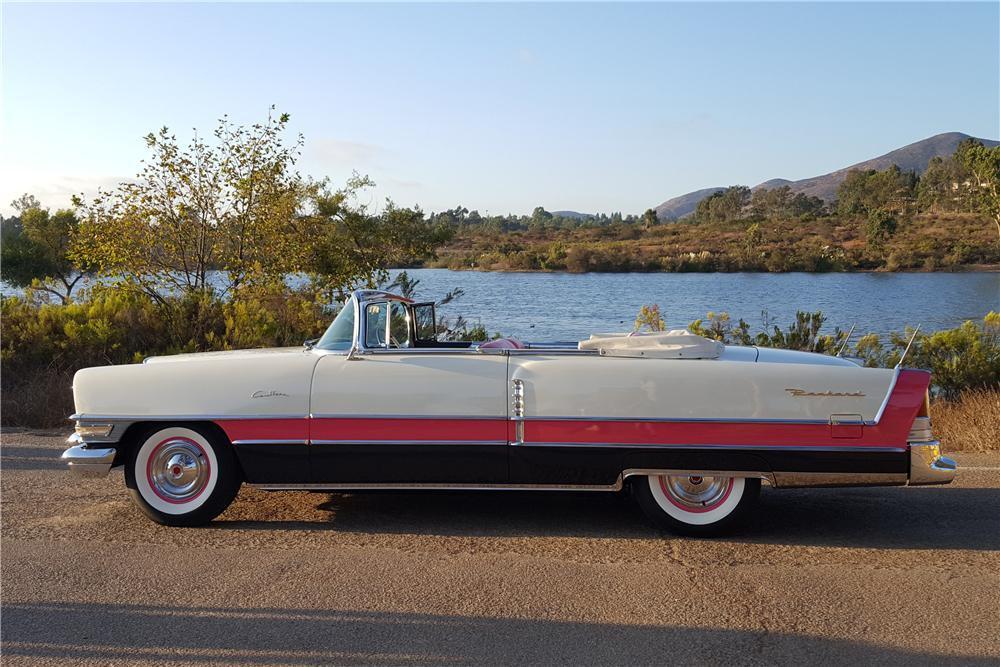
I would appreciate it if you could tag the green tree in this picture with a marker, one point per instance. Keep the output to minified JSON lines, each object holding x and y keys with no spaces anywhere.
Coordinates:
{"x":36,"y":250}
{"x":724,"y":205}
{"x":540,"y":216}
{"x":880,"y":228}
{"x":983,"y":166}
{"x":752,"y":239}
{"x":649,"y":219}
{"x":862,"y":192}
{"x":232,"y":204}
{"x":942,"y":185}
{"x":353,"y":246}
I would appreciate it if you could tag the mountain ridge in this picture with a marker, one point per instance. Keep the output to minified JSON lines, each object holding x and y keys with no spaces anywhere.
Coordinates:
{"x":911,"y":157}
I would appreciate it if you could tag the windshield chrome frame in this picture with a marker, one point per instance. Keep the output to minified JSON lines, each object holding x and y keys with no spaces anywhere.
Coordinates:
{"x":362,"y":299}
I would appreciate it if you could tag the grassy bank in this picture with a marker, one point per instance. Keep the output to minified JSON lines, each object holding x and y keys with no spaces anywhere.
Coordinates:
{"x":940,"y":241}
{"x":970,"y":423}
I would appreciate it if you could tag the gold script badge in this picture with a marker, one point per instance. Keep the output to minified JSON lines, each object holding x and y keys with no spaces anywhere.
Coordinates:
{"x":822,"y":394}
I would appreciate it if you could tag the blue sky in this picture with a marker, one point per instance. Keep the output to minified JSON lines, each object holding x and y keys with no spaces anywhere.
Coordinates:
{"x":499,"y":107}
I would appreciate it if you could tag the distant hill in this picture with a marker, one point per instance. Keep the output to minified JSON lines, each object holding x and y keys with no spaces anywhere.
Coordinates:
{"x":572,"y":214}
{"x":678,"y":207}
{"x":773,"y":183}
{"x":913,"y":157}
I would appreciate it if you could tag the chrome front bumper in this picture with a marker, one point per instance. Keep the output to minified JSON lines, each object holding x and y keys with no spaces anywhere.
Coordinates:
{"x":927,"y":466}
{"x":87,"y":460}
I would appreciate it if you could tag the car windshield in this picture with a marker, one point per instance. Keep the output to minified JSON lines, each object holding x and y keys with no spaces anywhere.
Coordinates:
{"x":340,"y":334}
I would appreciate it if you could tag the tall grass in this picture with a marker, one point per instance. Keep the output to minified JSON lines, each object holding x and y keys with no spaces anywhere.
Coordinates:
{"x":970,"y":423}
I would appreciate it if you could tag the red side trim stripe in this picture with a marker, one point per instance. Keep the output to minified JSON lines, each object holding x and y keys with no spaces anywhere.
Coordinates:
{"x":431,"y":430}
{"x":266,"y":429}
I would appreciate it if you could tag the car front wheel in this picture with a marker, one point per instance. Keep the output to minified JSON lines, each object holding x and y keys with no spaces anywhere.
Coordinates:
{"x":182,"y":475}
{"x":695,"y":504}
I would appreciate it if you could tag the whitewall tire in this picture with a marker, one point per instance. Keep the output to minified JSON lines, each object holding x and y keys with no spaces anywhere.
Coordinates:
{"x":182,"y":475}
{"x":695,"y":504}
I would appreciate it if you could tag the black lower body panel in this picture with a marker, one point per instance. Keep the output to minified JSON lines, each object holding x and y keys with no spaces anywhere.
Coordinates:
{"x":603,"y":465}
{"x":526,"y":464}
{"x":407,"y":464}
{"x":274,"y":463}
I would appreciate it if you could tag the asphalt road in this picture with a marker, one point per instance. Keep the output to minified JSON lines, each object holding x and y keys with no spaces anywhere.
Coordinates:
{"x":862,"y":576}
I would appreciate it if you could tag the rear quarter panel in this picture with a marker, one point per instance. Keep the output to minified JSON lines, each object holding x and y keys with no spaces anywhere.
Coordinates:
{"x":591,"y":386}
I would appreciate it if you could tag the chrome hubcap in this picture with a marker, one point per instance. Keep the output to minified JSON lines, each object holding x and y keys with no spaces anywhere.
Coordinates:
{"x":695,"y":491}
{"x":178,"y":470}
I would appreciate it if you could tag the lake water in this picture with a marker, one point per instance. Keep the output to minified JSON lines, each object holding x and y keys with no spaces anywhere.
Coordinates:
{"x":571,"y":306}
{"x":567,"y":307}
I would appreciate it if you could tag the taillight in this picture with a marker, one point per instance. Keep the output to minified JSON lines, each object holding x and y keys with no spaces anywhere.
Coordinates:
{"x":920,"y":431}
{"x":925,"y":409}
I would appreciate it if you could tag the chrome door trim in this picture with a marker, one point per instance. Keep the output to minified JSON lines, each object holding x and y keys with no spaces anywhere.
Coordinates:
{"x":401,"y":486}
{"x":713,"y":447}
{"x":401,"y":416}
{"x":273,"y":441}
{"x":189,"y":417}
{"x":711,"y":420}
{"x":429,"y":443}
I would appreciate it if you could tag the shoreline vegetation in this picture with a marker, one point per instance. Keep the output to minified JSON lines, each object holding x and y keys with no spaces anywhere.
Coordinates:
{"x":43,"y":344}
{"x":193,"y":253}
{"x":964,"y":268}
{"x":949,"y":241}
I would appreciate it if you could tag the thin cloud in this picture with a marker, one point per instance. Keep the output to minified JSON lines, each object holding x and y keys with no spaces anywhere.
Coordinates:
{"x":331,"y":152}
{"x":400,"y":183}
{"x":53,"y":190}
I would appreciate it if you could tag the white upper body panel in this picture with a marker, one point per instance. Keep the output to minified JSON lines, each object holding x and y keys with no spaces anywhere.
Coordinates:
{"x":742,"y":383}
{"x":427,"y":384}
{"x":791,"y":388}
{"x":240,"y":383}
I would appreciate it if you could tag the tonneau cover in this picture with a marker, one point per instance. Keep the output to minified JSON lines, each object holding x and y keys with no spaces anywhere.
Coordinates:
{"x":676,"y":344}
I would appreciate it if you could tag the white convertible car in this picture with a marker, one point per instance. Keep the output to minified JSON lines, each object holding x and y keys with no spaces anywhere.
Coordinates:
{"x":691,"y":426}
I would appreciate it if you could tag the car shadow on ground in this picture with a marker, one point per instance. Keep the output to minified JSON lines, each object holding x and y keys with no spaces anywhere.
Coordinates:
{"x":108,"y":633}
{"x":904,"y":518}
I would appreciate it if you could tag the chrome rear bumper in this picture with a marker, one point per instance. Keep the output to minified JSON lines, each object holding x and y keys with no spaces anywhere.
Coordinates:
{"x":927,"y":466}
{"x":86,"y":460}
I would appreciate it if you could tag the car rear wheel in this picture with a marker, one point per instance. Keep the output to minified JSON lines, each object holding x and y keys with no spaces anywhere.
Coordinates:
{"x":182,"y":475}
{"x":696,"y":504}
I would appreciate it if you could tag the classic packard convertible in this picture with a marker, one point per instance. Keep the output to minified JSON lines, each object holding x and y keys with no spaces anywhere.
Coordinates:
{"x":690,"y":426}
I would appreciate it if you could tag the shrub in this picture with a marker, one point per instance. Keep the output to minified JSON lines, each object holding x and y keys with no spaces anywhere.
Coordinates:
{"x":966,"y":357}
{"x":44,"y":344}
{"x":803,"y":334}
